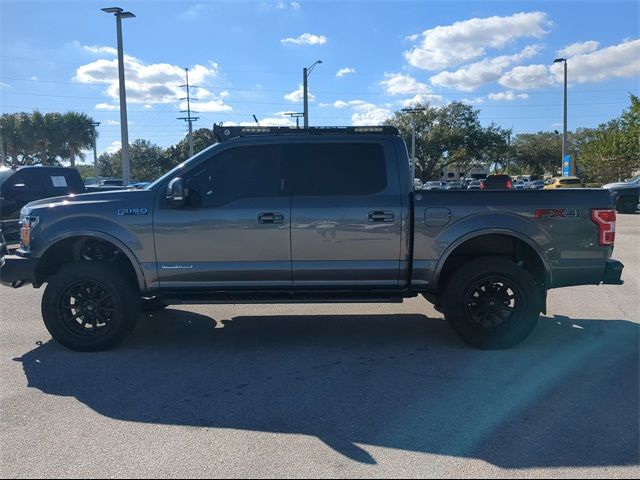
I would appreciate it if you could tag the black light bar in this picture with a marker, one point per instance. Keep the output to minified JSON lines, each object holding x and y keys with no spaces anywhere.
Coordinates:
{"x":222,"y":134}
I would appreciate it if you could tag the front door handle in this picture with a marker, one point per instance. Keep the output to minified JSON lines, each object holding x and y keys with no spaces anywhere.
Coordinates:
{"x":380,"y":216}
{"x":270,"y":217}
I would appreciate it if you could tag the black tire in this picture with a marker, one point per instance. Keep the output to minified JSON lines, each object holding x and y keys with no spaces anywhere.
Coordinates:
{"x":153,"y":304}
{"x":627,"y":204}
{"x":90,"y":306}
{"x":492,"y":303}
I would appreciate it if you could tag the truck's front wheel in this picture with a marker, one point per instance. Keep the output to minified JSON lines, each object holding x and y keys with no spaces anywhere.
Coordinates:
{"x":492,"y":303}
{"x":90,"y":306}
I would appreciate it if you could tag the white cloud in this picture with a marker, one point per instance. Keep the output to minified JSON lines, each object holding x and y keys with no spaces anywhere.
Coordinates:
{"x":486,"y":71}
{"x":527,"y":78}
{"x":210,"y":106}
{"x":508,"y":96}
{"x":114,"y":147}
{"x":578,"y":48}
{"x":345,"y":71}
{"x":622,"y":60}
{"x":194,"y":11}
{"x":106,"y":106}
{"x":296,"y":5}
{"x":305,"y":39}
{"x":400,"y":84}
{"x":112,"y":122}
{"x":424,"y":99}
{"x":100,"y":50}
{"x":146,"y":83}
{"x":2,"y":84}
{"x":34,"y":77}
{"x":446,"y":46}
{"x":369,"y":114}
{"x":298,"y":95}
{"x":264,"y":122}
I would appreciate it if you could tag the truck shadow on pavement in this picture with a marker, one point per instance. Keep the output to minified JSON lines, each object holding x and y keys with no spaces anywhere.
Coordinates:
{"x":566,"y":397}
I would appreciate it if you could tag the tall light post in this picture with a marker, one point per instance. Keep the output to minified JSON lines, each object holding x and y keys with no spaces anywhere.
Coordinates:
{"x":95,"y":150}
{"x":413,"y":139}
{"x":124,"y":130}
{"x":564,"y":127}
{"x":305,"y":74}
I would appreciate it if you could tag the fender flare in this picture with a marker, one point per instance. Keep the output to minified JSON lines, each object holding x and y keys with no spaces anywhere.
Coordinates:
{"x":102,"y":236}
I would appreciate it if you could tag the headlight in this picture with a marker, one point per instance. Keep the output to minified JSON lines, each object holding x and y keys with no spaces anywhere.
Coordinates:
{"x":27,"y":222}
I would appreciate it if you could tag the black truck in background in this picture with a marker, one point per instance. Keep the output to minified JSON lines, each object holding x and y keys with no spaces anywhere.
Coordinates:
{"x":22,"y":185}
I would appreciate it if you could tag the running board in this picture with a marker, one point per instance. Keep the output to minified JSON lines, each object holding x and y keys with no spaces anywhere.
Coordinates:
{"x":177,"y":298}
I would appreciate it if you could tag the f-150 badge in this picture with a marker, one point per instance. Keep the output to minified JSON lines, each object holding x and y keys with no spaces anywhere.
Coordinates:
{"x":133,"y":211}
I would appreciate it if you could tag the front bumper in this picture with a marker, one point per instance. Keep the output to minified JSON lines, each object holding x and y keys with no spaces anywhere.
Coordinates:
{"x":613,"y":272}
{"x":16,"y":271}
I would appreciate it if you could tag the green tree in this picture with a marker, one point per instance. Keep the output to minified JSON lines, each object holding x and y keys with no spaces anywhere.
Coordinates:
{"x":448,"y":136}
{"x":176,"y":154}
{"x":147,"y":162}
{"x":612,"y":151}
{"x":537,"y":153}
{"x":77,"y":132}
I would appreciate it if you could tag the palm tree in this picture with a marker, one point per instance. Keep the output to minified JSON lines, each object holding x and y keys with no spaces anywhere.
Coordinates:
{"x":77,"y":132}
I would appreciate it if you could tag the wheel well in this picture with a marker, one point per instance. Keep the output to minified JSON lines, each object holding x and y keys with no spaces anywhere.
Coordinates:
{"x":83,"y":249}
{"x":500,"y":245}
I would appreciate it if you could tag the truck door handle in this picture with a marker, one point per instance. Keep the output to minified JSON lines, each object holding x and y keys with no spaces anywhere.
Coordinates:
{"x":379,"y":216}
{"x":270,"y":217}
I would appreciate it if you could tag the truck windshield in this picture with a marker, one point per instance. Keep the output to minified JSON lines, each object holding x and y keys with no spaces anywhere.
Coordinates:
{"x":174,"y":170}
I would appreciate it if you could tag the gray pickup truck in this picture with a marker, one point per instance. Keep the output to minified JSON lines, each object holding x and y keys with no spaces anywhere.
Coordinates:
{"x":273,"y":215}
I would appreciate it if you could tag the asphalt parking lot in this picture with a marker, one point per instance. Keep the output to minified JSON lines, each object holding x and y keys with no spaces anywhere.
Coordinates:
{"x":329,"y":391}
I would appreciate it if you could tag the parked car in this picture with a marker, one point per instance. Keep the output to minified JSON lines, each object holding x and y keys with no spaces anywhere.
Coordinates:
{"x":625,"y":194}
{"x":300,"y":217}
{"x":496,"y":182}
{"x":537,"y":185}
{"x":435,"y":185}
{"x":455,"y":185}
{"x":564,"y":182}
{"x":475,"y":185}
{"x":19,"y":186}
{"x":518,"y":185}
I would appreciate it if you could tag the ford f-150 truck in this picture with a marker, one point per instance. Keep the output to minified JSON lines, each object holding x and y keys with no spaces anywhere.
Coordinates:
{"x":272,"y":215}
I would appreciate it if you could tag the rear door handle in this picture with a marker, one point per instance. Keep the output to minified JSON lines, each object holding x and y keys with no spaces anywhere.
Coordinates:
{"x":270,"y":217}
{"x":380,"y":216}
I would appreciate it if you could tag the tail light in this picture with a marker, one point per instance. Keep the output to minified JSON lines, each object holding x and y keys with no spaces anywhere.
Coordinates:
{"x":482,"y":185}
{"x":606,"y":221}
{"x":509,"y":184}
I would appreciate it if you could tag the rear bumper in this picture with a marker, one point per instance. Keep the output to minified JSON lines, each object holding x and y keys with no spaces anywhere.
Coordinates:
{"x":16,"y":271}
{"x":613,"y":272}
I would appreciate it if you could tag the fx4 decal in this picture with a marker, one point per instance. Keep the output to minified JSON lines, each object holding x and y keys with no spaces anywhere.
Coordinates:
{"x":556,"y":213}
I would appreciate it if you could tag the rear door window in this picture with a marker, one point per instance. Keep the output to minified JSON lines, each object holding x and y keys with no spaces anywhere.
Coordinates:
{"x":338,"y":169}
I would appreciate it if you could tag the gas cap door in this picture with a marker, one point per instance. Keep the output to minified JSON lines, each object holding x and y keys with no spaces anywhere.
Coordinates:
{"x":437,"y":217}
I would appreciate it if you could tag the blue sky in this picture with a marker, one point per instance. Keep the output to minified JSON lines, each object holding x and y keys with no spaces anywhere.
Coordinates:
{"x":246,"y":57}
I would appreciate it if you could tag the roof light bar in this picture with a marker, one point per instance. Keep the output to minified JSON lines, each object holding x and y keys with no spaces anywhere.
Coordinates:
{"x":222,"y":133}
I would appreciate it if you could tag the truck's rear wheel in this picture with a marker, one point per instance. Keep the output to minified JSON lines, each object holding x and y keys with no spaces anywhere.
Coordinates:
{"x":90,"y":306}
{"x":492,"y":303}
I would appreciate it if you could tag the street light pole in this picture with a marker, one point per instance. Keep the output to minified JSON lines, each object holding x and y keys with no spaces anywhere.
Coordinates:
{"x":564,"y":126}
{"x":413,"y":140}
{"x":124,"y":131}
{"x":305,"y":75}
{"x":95,"y":151}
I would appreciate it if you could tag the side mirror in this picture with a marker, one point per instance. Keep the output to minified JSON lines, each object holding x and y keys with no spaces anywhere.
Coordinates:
{"x":175,"y":193}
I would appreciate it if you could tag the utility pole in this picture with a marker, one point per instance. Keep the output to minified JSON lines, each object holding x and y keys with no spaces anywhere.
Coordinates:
{"x":95,"y":151}
{"x":565,"y":148}
{"x":413,"y":111}
{"x":297,"y":116}
{"x":305,"y":75}
{"x":3,"y":160}
{"x":188,"y":118}
{"x":508,"y":148}
{"x":124,"y":132}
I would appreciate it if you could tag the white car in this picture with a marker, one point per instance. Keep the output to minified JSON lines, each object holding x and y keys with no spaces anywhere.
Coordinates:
{"x":435,"y":186}
{"x":519,"y":185}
